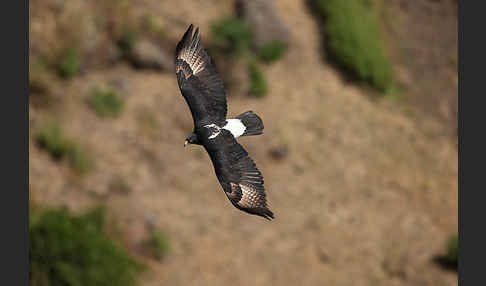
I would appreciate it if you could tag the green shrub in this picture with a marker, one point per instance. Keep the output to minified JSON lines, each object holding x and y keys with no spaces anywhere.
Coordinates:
{"x":158,"y":244}
{"x":79,"y":159}
{"x":67,"y":249}
{"x":39,"y":80}
{"x":126,"y":42}
{"x":51,"y":139}
{"x":232,"y":34}
{"x":258,"y":84}
{"x":148,"y":22}
{"x":106,"y":102}
{"x":70,"y":65}
{"x":153,"y":27}
{"x":354,"y":41}
{"x":452,"y":250}
{"x":272,"y":51}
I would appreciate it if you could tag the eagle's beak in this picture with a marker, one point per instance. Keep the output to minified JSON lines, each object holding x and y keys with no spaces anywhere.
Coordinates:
{"x":185,"y":143}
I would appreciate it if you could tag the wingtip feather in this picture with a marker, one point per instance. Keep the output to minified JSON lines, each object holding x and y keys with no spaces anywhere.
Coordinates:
{"x":185,"y":38}
{"x":268,"y":214}
{"x":189,"y":30}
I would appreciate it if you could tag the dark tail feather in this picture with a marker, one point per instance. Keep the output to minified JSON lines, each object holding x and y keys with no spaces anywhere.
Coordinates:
{"x":252,"y":122}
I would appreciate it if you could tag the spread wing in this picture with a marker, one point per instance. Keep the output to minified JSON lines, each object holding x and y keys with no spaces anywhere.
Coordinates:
{"x":241,"y":180}
{"x":198,"y":80}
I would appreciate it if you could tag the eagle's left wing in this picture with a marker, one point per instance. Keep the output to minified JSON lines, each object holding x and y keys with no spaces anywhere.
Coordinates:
{"x":241,"y":180}
{"x":198,"y":80}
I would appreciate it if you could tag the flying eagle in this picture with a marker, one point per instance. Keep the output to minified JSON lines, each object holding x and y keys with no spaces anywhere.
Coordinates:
{"x":203,"y":90}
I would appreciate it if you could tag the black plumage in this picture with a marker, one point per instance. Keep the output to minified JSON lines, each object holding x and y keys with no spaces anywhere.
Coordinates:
{"x":203,"y":90}
{"x":202,"y":87}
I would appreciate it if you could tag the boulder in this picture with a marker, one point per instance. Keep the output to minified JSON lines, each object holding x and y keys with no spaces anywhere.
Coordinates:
{"x":146,"y":54}
{"x":264,"y":21}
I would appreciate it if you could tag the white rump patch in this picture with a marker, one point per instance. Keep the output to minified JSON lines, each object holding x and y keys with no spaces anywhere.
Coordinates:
{"x":235,"y":126}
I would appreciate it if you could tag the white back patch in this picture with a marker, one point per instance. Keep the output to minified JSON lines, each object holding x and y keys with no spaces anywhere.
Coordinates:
{"x":235,"y":126}
{"x":213,"y":134}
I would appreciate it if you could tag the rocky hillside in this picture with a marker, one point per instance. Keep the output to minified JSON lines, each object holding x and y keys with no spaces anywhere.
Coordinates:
{"x":363,"y":185}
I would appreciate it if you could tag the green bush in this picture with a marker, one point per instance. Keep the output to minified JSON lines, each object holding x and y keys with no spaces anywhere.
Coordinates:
{"x":272,"y":51}
{"x":153,"y":27}
{"x":70,"y":65}
{"x":354,"y":40}
{"x":39,"y":80}
{"x":158,"y":244}
{"x":452,"y":249}
{"x":106,"y":102}
{"x":232,"y":34}
{"x":51,"y":139}
{"x":258,"y":84}
{"x":79,"y":159}
{"x":72,"y":250}
{"x":126,"y":42}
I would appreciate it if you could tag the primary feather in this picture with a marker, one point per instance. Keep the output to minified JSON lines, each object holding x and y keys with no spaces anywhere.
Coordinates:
{"x":198,"y":81}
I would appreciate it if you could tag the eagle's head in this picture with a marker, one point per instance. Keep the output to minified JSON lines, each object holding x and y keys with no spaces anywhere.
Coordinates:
{"x":191,"y":139}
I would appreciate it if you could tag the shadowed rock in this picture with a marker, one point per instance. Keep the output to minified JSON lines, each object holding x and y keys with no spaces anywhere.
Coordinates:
{"x":265,"y":24}
{"x":279,"y":152}
{"x":146,"y":54}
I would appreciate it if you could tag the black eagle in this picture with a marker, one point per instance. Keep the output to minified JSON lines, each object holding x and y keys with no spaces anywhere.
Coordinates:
{"x":203,"y":90}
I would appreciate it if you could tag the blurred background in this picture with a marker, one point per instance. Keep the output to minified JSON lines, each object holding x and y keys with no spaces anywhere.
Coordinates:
{"x":359,"y":154}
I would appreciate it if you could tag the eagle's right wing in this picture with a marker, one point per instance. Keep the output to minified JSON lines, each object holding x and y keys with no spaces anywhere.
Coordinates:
{"x":198,"y":80}
{"x":241,"y":180}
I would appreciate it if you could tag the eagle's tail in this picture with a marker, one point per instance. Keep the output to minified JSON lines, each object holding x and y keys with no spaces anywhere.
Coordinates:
{"x":253,"y":123}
